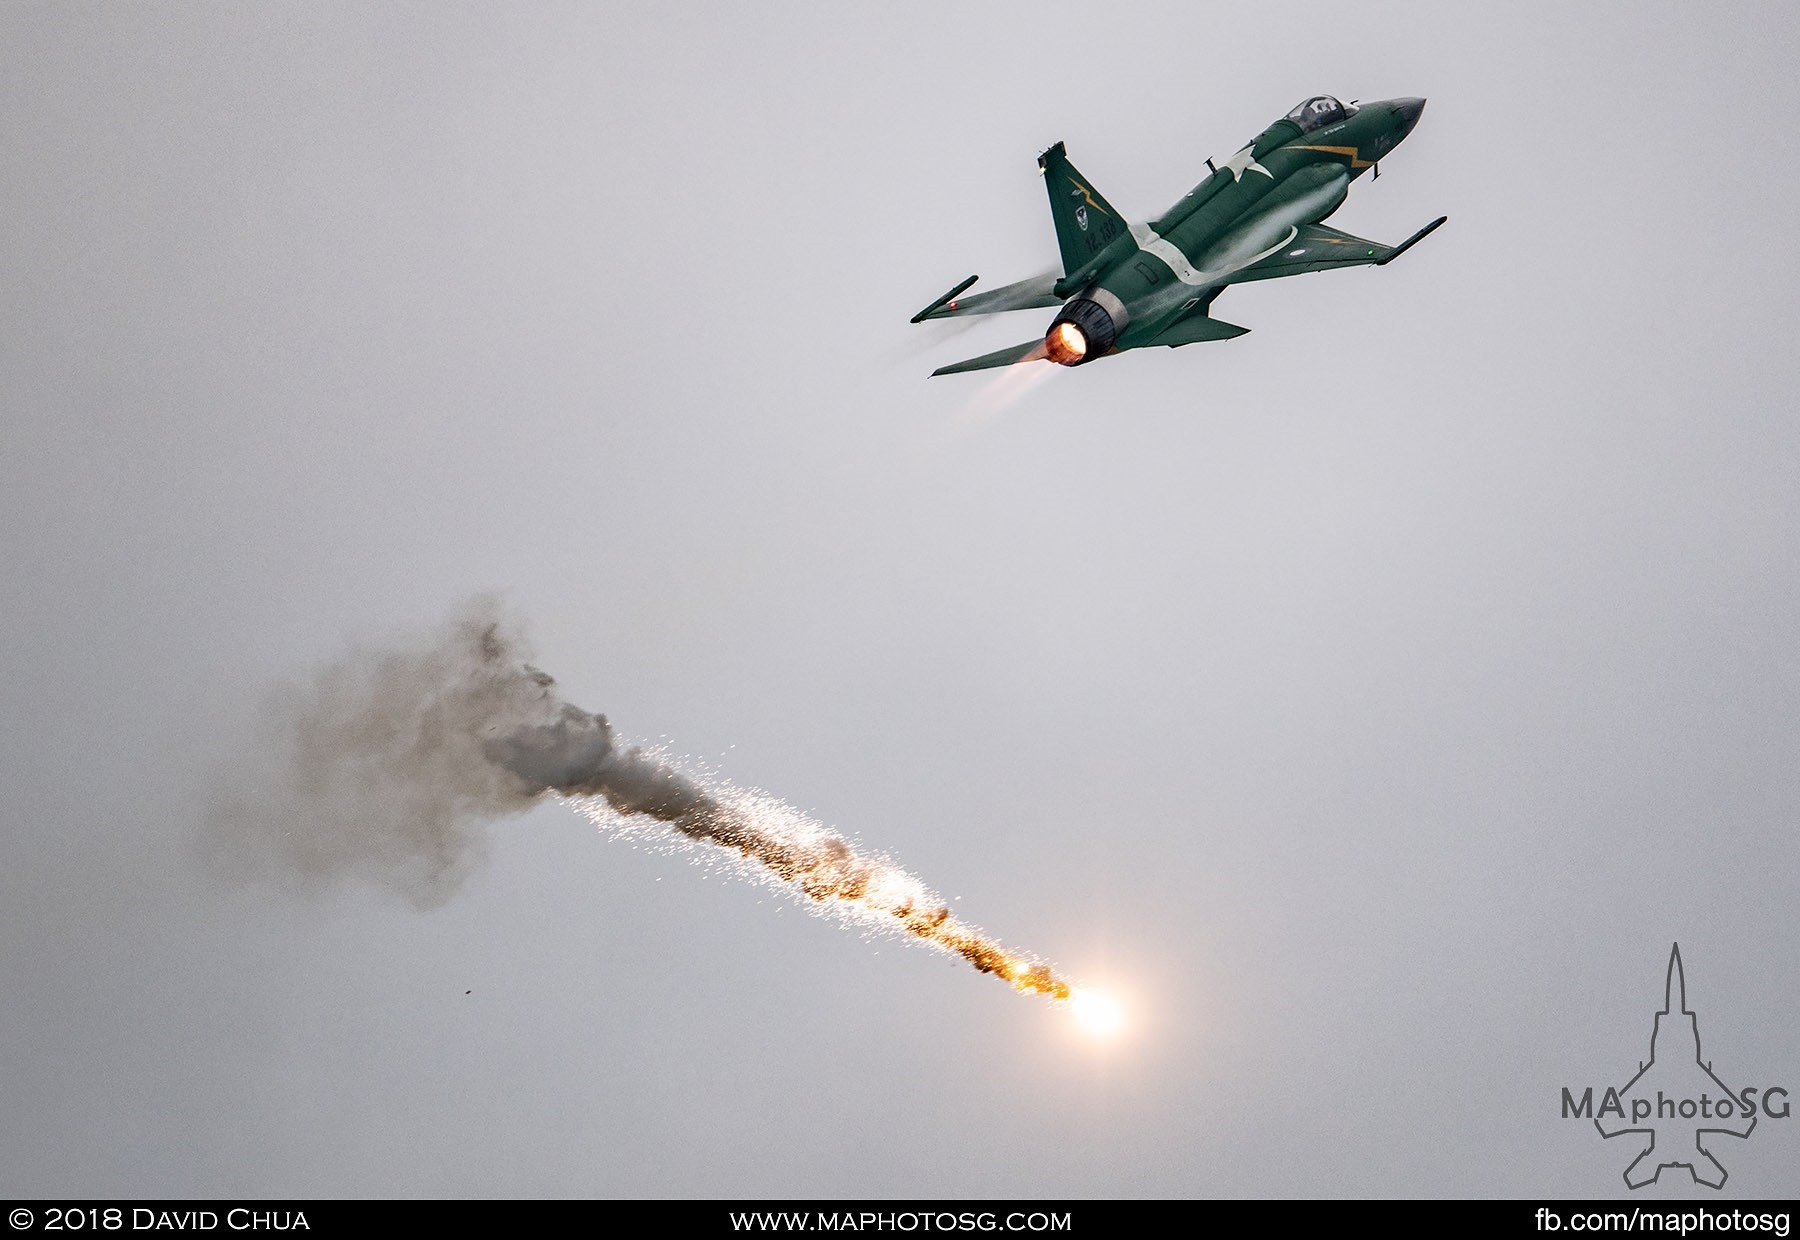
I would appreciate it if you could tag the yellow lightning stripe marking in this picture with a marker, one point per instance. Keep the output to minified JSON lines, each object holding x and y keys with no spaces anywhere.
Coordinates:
{"x":1349,"y":152}
{"x":1089,"y":195}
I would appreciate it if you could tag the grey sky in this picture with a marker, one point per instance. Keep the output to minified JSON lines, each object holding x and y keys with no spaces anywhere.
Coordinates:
{"x":1367,"y":702}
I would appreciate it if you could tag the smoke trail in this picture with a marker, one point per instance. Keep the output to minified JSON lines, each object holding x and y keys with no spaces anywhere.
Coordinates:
{"x":391,"y":762}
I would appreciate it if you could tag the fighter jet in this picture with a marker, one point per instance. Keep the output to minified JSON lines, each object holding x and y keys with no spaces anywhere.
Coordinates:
{"x":1256,"y":217}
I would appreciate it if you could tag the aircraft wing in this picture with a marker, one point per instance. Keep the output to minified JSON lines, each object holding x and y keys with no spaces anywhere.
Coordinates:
{"x":1030,"y":351}
{"x":1032,"y":294}
{"x":1318,"y":248}
{"x":1195,"y":329}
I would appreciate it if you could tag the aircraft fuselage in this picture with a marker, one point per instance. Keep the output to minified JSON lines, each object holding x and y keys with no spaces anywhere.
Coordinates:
{"x":1257,"y":216}
{"x":1242,"y":213}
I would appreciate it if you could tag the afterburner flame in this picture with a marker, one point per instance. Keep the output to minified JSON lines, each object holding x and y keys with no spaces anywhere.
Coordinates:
{"x":1065,"y":344}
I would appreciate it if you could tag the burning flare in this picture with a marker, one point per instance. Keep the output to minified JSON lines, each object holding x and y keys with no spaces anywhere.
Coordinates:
{"x":776,"y":845}
{"x":392,"y":761}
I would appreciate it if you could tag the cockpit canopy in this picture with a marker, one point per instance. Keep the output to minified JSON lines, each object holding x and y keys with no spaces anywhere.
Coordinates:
{"x":1320,"y":111}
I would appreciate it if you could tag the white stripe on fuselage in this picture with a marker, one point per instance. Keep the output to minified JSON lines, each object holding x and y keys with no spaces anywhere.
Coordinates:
{"x":1151,"y":243}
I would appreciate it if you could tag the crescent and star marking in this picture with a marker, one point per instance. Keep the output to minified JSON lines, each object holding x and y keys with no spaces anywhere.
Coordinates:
{"x":1245,"y":161}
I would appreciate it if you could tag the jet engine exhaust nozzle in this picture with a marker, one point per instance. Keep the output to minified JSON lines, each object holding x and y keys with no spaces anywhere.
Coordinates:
{"x":1082,"y":331}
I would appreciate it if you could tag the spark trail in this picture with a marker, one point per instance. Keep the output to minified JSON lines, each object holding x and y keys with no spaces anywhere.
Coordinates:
{"x":391,"y":762}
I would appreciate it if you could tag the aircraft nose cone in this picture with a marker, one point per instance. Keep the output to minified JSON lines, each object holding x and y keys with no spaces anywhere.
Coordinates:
{"x":1406,"y":111}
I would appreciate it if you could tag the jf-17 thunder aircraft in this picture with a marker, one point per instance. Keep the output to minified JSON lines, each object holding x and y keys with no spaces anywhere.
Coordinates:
{"x":1257,"y":217}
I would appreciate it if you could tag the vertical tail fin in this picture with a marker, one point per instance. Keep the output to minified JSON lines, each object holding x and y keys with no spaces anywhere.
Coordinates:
{"x":1085,"y":222}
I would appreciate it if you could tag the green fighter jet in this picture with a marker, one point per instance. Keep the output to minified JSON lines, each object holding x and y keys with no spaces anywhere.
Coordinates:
{"x":1126,"y":286}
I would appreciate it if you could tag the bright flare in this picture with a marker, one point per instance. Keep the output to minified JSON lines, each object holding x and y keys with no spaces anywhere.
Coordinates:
{"x":1096,"y":1012}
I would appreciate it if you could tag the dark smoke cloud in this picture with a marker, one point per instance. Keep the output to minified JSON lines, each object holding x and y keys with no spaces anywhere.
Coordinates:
{"x":389,"y":763}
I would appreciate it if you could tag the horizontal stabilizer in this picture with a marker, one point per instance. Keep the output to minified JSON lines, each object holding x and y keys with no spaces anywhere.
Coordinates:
{"x":948,"y":299}
{"x":1196,"y":329}
{"x":1032,"y":294}
{"x":1030,"y":351}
